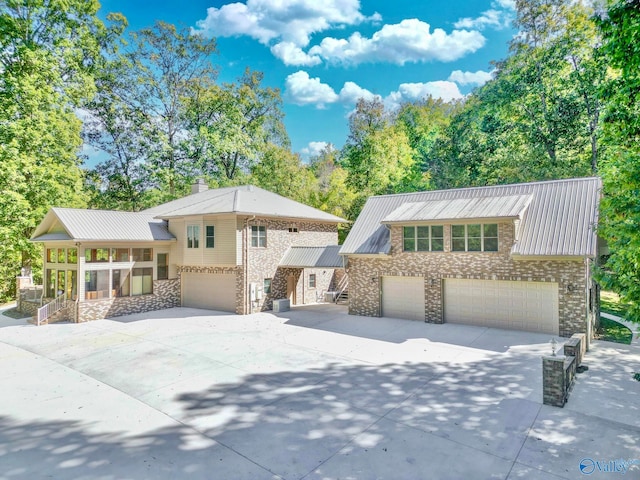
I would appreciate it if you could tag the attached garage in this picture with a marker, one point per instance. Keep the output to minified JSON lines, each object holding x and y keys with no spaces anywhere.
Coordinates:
{"x":209,"y":291}
{"x":403,"y":297}
{"x":530,"y":306}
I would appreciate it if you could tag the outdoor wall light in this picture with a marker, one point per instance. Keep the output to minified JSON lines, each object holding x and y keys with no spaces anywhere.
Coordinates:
{"x":433,"y":282}
{"x":374,"y":279}
{"x":570,"y":287}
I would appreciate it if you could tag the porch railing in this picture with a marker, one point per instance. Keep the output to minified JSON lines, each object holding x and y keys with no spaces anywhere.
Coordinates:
{"x":51,"y":308}
{"x":343,"y":285}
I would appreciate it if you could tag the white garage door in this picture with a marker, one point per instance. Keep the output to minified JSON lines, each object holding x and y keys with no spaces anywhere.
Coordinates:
{"x":209,"y":291}
{"x":403,"y":297}
{"x":531,"y":306}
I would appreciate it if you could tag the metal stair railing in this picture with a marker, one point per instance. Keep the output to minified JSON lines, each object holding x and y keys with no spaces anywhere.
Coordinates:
{"x":51,"y":308}
{"x":342,"y":287}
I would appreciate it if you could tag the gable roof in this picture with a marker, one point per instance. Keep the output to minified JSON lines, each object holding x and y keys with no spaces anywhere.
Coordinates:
{"x":242,"y":200}
{"x":100,"y":225}
{"x":558,"y":218}
{"x":312,"y":257}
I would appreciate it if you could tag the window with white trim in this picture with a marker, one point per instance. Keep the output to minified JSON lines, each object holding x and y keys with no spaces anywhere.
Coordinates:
{"x":193,"y":236}
{"x":258,"y":236}
{"x":474,"y":237}
{"x":427,"y":238}
{"x":209,"y":236}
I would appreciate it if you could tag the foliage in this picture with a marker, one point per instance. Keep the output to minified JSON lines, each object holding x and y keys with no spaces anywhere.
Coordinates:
{"x":612,"y":331}
{"x":620,"y":211}
{"x":48,"y":53}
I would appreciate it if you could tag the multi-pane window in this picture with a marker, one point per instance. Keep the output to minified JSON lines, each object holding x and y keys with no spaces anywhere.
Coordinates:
{"x":120,"y":254}
{"x":62,"y":255}
{"x":162,"y":270}
{"x":93,"y":255}
{"x":267,"y":286}
{"x":193,"y":236}
{"x":142,"y":281}
{"x":96,"y":284}
{"x":312,"y":280}
{"x":142,"y":254}
{"x":293,"y":229}
{"x":258,"y":236}
{"x":52,"y":255}
{"x":72,"y":255}
{"x":428,"y":238}
{"x":474,"y":238}
{"x":209,"y":236}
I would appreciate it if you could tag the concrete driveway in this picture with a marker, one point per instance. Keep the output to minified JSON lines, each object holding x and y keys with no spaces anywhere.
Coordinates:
{"x":312,"y":393}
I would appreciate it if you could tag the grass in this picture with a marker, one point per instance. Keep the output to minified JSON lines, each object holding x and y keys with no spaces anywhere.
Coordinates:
{"x":13,"y":313}
{"x":610,"y":330}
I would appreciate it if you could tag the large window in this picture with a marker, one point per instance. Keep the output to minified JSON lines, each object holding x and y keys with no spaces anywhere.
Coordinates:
{"x":142,"y":254}
{"x":120,"y":283}
{"x":474,"y":238}
{"x":193,"y":236}
{"x":50,"y":283}
{"x":429,"y":238}
{"x":62,"y":282}
{"x":58,"y":282}
{"x":120,"y":254}
{"x":62,"y":255}
{"x":72,"y":284}
{"x":52,"y":255}
{"x":72,"y":255}
{"x":209,"y":241}
{"x":142,"y":281}
{"x":96,"y":284}
{"x":162,"y":270}
{"x":258,"y":236}
{"x":93,"y":255}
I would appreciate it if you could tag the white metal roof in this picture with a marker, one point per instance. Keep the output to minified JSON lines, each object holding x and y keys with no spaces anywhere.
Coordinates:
{"x":243,"y":200}
{"x":101,"y":225}
{"x":312,"y":257}
{"x":560,"y":219}
{"x":509,"y":206}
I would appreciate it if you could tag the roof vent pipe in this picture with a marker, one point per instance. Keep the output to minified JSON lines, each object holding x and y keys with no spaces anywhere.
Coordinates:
{"x":199,"y":186}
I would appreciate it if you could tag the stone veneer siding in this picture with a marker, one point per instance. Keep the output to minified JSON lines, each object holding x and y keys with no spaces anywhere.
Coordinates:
{"x":263,"y":262}
{"x":166,"y":294}
{"x":237,"y":271}
{"x":365,"y":272}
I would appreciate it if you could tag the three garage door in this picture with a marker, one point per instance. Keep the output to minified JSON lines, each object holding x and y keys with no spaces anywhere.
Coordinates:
{"x":209,"y":291}
{"x":530,"y":306}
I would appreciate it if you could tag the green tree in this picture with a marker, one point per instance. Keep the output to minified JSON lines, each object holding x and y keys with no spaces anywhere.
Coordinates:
{"x":48,"y":53}
{"x":233,"y":124}
{"x":620,"y":210}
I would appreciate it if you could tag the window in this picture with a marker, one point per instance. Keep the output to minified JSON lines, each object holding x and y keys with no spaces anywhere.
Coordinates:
{"x":474,"y":238}
{"x":429,"y":238}
{"x":293,"y":229}
{"x":162,"y":270}
{"x":312,"y":280}
{"x":62,"y":277}
{"x":142,"y":281}
{"x":96,"y":284}
{"x":62,"y":257}
{"x":209,"y":234}
{"x":52,"y":255}
{"x":258,"y":236}
{"x":193,"y":236}
{"x":93,"y":255}
{"x":72,"y":255}
{"x":142,"y":254}
{"x":72,"y":284}
{"x":120,"y":283}
{"x":120,"y":254}
{"x":266,"y":286}
{"x":50,"y":280}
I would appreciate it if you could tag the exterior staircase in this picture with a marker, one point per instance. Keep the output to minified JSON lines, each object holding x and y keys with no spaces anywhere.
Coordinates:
{"x":342,"y":298}
{"x":52,"y":312}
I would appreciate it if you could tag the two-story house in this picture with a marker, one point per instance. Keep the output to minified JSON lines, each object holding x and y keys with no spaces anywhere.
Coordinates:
{"x":509,"y":256}
{"x":228,"y":249}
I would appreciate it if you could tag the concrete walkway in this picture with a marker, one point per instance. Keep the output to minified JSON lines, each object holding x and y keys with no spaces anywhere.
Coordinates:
{"x":312,"y":393}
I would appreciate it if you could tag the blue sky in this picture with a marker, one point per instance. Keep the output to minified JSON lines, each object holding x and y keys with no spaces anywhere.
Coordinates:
{"x":325,"y":54}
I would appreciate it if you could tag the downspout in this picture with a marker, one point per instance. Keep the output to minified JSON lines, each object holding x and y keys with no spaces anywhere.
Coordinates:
{"x":245,"y":261}
{"x":587,"y":295}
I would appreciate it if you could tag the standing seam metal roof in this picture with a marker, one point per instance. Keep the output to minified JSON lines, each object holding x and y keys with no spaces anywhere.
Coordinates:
{"x":560,"y":219}
{"x":313,"y":257}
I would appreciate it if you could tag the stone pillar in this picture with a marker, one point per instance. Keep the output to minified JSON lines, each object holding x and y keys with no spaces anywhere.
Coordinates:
{"x":22,"y":281}
{"x":553,"y":391}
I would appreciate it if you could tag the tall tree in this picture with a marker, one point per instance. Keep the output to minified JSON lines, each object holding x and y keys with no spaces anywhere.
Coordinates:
{"x":233,"y":124}
{"x":620,"y":212}
{"x":48,"y":53}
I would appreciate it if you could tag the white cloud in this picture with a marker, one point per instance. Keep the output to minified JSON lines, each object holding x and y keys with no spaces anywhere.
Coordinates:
{"x":313,"y":149}
{"x":509,"y":4}
{"x":291,"y":21}
{"x":352,"y":92}
{"x":411,"y":40}
{"x":303,"y":90}
{"x":290,"y":54}
{"x":410,"y":92}
{"x":489,"y":18}
{"x":470,"y":78}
